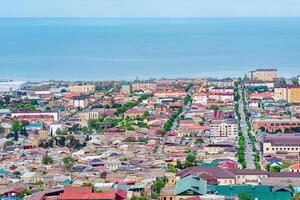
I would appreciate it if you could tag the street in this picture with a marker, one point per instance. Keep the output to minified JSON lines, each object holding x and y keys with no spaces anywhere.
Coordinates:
{"x":249,"y":157}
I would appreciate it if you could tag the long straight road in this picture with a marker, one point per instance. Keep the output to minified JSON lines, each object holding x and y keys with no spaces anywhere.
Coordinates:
{"x":161,"y":147}
{"x":249,"y":156}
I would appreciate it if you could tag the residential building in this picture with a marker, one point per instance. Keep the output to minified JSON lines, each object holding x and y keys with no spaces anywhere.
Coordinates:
{"x":10,"y":86}
{"x":82,"y":89}
{"x":79,"y":101}
{"x":263,"y":74}
{"x":126,"y":88}
{"x":290,"y":94}
{"x":287,"y":143}
{"x":35,"y":114}
{"x":149,"y":86}
{"x":224,"y":128}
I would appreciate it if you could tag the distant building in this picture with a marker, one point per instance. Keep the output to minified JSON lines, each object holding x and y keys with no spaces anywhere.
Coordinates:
{"x":143,"y":87}
{"x":126,"y":88}
{"x":88,"y":88}
{"x":10,"y":86}
{"x":263,"y":74}
{"x":79,"y":101}
{"x":35,"y":115}
{"x":290,"y":94}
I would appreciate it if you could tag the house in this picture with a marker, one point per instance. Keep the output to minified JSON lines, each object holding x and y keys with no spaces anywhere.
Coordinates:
{"x":86,"y":193}
{"x":276,"y":144}
{"x":200,"y":98}
{"x":134,"y":113}
{"x":184,"y":188}
{"x":79,"y":101}
{"x":295,"y":167}
{"x":224,"y":128}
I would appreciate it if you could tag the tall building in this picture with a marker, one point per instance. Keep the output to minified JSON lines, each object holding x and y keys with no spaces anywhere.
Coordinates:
{"x":88,"y":88}
{"x":263,"y":75}
{"x":224,"y":128}
{"x":290,"y":94}
{"x":294,"y":94}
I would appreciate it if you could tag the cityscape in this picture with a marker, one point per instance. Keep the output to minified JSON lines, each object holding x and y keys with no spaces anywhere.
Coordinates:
{"x":166,"y":139}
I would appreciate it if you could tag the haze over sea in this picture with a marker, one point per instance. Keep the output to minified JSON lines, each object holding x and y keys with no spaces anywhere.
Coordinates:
{"x":123,"y":48}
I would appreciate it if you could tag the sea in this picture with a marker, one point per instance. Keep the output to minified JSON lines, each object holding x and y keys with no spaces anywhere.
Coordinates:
{"x":126,"y":48}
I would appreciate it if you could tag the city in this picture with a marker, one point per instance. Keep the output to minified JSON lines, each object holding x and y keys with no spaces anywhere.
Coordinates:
{"x":166,"y":139}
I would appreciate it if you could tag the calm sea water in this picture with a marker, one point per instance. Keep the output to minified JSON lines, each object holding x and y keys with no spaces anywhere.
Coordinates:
{"x":97,"y":49}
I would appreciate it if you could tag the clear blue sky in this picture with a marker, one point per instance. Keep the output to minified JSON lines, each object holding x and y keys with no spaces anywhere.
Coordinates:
{"x":148,"y":8}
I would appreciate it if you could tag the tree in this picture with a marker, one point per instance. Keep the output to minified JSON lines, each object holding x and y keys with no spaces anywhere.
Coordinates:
{"x":24,"y":132}
{"x":88,"y":184}
{"x":8,"y":143}
{"x":179,"y":164}
{"x":2,"y":130}
{"x":58,"y":131}
{"x":171,"y":168}
{"x":47,"y":160}
{"x":38,"y":183}
{"x":16,"y":126}
{"x":68,"y":162}
{"x":24,"y":192}
{"x":158,"y":184}
{"x":244,"y":196}
{"x":139,"y":198}
{"x":275,"y":169}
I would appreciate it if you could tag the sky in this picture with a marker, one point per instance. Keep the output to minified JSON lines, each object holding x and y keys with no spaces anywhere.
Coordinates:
{"x":148,"y":8}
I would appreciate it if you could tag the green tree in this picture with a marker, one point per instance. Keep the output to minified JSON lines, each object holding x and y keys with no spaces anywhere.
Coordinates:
{"x":158,"y":184}
{"x":38,"y":183}
{"x":24,"y":192}
{"x":244,"y":196}
{"x":88,"y":184}
{"x":8,"y":143}
{"x":16,"y":126}
{"x":139,"y":198}
{"x":46,"y":160}
{"x":2,"y":130}
{"x":68,"y":162}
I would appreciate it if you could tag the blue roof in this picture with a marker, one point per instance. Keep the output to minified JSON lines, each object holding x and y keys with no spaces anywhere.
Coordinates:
{"x":3,"y":171}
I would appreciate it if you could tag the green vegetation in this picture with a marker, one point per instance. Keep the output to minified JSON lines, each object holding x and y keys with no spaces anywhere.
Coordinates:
{"x":158,"y":184}
{"x":187,"y":99}
{"x":68,"y":162}
{"x":8,"y":143}
{"x":139,"y":198}
{"x":250,"y":135}
{"x":46,"y":160}
{"x":171,"y":168}
{"x":129,"y":105}
{"x":88,"y":184}
{"x":38,"y":183}
{"x":168,"y":125}
{"x":241,"y":142}
{"x":24,"y":192}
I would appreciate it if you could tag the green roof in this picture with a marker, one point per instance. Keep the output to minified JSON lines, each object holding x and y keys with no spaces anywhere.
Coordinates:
{"x":271,"y":196}
{"x":261,"y":192}
{"x":225,"y":108}
{"x":190,"y":185}
{"x":213,"y":163}
{"x":136,"y":187}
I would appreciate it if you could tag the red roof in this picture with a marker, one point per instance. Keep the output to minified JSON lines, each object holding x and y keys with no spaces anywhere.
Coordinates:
{"x":94,"y":196}
{"x":295,"y":166}
{"x":76,"y":193}
{"x":193,"y":198}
